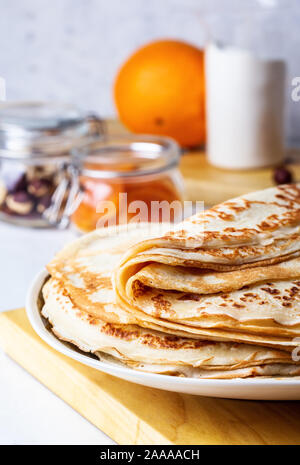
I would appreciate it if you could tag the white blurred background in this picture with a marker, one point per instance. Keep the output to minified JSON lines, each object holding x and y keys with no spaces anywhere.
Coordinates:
{"x":71,"y":49}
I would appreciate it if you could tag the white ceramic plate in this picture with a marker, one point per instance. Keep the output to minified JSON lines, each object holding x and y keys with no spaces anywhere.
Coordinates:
{"x":251,"y":388}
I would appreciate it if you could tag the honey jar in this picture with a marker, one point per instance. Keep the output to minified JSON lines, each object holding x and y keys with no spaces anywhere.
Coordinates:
{"x":125,"y":179}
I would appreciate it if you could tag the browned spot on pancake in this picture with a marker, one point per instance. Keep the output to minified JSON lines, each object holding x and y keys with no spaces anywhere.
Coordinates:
{"x":139,"y":289}
{"x":264,"y":225}
{"x":194,"y":297}
{"x":249,"y":297}
{"x":238,"y":305}
{"x":271,"y":291}
{"x":160,"y":303}
{"x":294,"y":290}
{"x":121,"y":332}
{"x":92,"y":281}
{"x":290,"y":192}
{"x":224,"y":296}
{"x":225,"y":216}
{"x":105,"y":281}
{"x":230,"y":229}
{"x":132,"y":333}
{"x":286,"y":297}
{"x":80,"y":299}
{"x":282,"y":197}
{"x":232,"y":205}
{"x":91,"y":285}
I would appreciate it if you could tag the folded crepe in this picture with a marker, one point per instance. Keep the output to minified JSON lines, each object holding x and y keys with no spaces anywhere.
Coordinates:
{"x":230,"y":273}
{"x":156,"y":352}
{"x":133,"y":294}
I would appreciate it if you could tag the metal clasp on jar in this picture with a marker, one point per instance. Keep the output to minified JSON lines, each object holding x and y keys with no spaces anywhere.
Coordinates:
{"x":68,"y":194}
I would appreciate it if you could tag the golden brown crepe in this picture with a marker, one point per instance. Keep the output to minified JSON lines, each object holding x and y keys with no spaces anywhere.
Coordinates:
{"x":156,"y":352}
{"x":230,"y":272}
{"x":216,"y":297}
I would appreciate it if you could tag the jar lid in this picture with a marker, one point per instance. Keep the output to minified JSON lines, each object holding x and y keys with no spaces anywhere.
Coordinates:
{"x":127,"y":156}
{"x":38,"y":129}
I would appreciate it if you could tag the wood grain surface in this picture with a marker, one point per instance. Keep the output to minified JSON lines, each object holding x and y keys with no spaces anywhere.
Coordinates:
{"x":133,"y":414}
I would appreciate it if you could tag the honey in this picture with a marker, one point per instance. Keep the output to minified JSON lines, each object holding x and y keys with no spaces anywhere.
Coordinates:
{"x":132,"y":179}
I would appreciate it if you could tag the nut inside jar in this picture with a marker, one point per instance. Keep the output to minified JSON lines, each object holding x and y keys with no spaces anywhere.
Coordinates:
{"x":38,"y":181}
{"x":26,"y":190}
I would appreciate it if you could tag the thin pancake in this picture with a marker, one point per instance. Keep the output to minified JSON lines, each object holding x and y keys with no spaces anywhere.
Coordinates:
{"x":209,"y":282}
{"x":232,"y":270}
{"x":155,"y":351}
{"x":259,"y":227}
{"x":84,"y":269}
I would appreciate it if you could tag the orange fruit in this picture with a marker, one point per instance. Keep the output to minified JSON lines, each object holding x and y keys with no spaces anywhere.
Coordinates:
{"x":160,"y":90}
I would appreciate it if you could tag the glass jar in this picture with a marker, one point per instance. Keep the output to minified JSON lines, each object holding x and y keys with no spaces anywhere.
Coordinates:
{"x":38,"y":181}
{"x":125,"y":179}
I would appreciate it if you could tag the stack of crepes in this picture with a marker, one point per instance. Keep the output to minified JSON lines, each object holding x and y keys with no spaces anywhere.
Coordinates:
{"x":216,"y":297}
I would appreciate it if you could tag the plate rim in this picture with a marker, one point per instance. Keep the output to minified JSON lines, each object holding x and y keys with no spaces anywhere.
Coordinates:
{"x":36,"y":322}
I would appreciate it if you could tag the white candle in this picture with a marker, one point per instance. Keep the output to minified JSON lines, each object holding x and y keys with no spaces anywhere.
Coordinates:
{"x":245,"y":109}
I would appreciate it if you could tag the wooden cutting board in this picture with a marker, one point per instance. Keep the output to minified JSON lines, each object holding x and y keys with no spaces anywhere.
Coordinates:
{"x":133,"y":414}
{"x":213,"y":185}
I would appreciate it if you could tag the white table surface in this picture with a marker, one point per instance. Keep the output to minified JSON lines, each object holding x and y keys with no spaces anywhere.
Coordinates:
{"x":29,"y":412}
